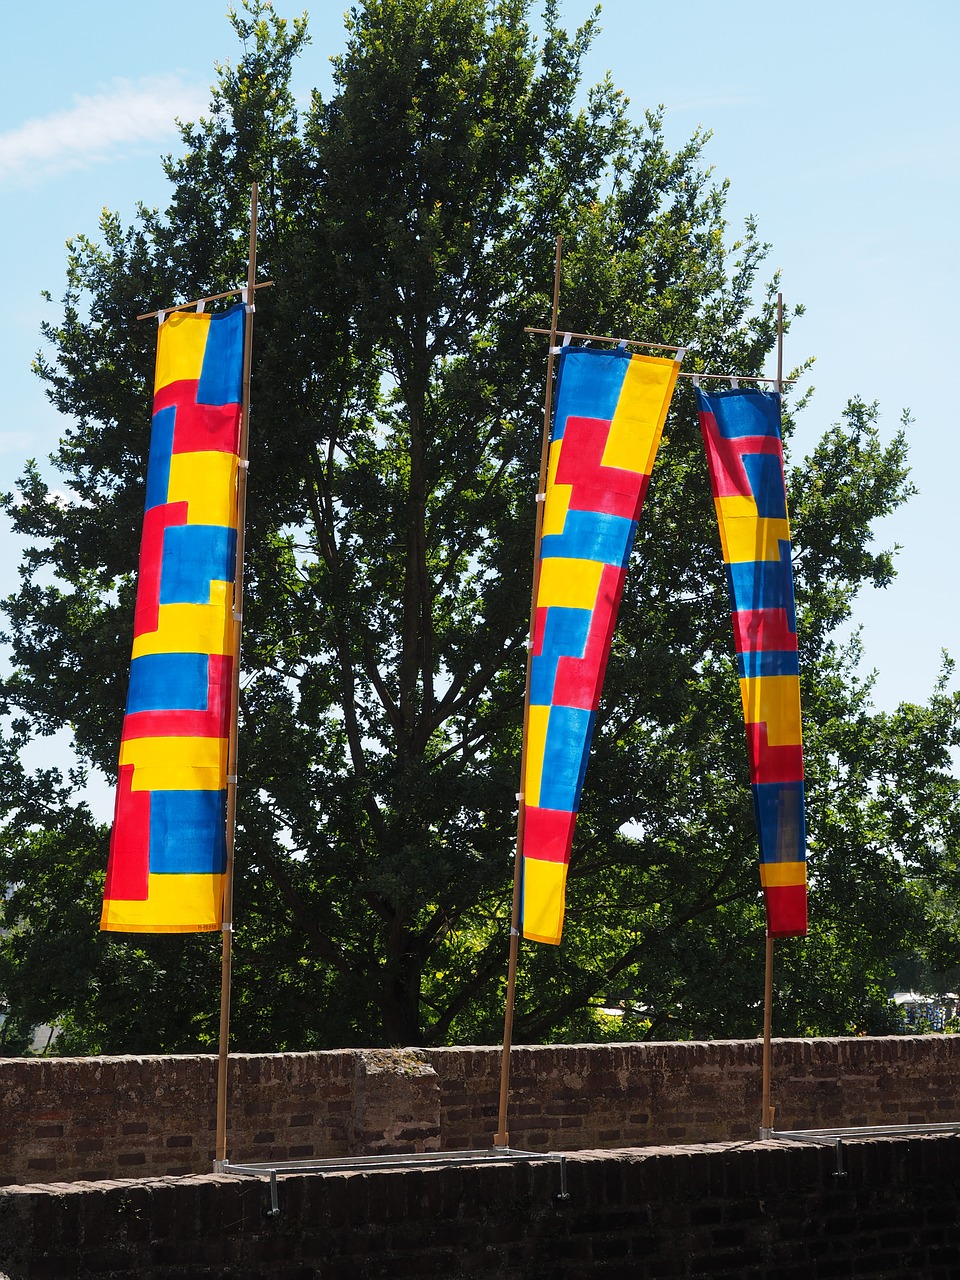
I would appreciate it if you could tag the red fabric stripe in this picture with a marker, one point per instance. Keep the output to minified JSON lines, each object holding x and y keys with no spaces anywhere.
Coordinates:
{"x":548,"y":834}
{"x":199,"y":428}
{"x":128,"y":865}
{"x":155,"y":523}
{"x":579,"y":681}
{"x":610,"y":490}
{"x":725,"y":457}
{"x":763,"y":630}
{"x":786,"y":910}
{"x":772,"y":764}
{"x":539,"y":622}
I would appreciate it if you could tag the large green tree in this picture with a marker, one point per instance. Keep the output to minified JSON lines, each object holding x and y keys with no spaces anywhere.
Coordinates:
{"x":408,"y":222}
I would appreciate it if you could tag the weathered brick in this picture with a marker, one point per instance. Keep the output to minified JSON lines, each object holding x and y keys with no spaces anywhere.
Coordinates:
{"x":58,"y":1110}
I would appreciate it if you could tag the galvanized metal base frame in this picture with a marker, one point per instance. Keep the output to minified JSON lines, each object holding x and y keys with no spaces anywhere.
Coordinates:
{"x":413,"y":1160}
{"x":835,"y":1137}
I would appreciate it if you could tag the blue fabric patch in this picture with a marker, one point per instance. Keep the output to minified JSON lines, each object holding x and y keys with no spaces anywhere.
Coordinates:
{"x":569,"y":733}
{"x":742,"y":413}
{"x":592,"y":535}
{"x":168,"y":682}
{"x":158,"y":462}
{"x":187,"y":832}
{"x":564,"y":635}
{"x":766,"y":484}
{"x":763,"y":584}
{"x":194,"y":555}
{"x":781,"y":826}
{"x":221,"y":375}
{"x":588,"y":385}
{"x":771,"y":662}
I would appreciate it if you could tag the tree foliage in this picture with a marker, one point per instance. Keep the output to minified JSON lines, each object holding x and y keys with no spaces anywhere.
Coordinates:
{"x":408,"y":222}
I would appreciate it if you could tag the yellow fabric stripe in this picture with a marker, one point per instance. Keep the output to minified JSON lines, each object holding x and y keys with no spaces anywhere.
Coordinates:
{"x":181,"y":343}
{"x":558,"y":495}
{"x":776,"y":874}
{"x":174,"y":904}
{"x":192,"y":628}
{"x":537,"y":718}
{"x":207,"y":482}
{"x":776,"y":701}
{"x":176,"y":764}
{"x":749,"y":538}
{"x":735,"y":507}
{"x":544,"y":886}
{"x":568,"y":584}
{"x":640,"y":414}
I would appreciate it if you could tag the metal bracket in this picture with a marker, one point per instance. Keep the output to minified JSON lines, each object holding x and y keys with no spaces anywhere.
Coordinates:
{"x":834,"y":1137}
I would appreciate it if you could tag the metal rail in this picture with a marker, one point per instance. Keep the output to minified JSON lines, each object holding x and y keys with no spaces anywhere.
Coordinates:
{"x":414,"y":1160}
{"x":835,"y":1137}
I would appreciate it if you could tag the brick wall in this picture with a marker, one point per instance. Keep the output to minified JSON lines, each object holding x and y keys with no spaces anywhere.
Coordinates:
{"x":731,"y":1211}
{"x":567,"y":1097}
{"x":98,"y":1118}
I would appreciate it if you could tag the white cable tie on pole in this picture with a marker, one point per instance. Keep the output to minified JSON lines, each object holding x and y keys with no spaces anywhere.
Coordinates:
{"x":514,"y":933}
{"x":529,"y":643}
{"x":622,"y":344}
{"x":201,"y":306}
{"x":680,"y":353}
{"x":696,"y":380}
{"x":232,"y":778}
{"x":541,"y":497}
{"x":226,"y":927}
{"x":244,"y":464}
{"x":519,"y":795}
{"x":237,"y":617}
{"x":734,"y":383}
{"x":161,"y":316}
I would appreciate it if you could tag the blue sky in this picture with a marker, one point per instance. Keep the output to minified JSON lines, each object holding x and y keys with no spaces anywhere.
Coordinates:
{"x":836,"y":125}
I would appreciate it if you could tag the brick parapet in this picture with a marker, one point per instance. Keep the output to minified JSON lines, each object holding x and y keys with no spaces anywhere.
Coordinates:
{"x":97,"y":1118}
{"x":732,"y":1210}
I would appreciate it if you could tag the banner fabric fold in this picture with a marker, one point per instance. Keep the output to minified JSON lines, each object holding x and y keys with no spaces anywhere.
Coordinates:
{"x":741,"y":432}
{"x":608,"y":420}
{"x":167,"y":860}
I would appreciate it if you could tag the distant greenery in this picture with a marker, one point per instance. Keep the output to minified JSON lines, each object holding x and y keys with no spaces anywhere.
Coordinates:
{"x":408,"y":222}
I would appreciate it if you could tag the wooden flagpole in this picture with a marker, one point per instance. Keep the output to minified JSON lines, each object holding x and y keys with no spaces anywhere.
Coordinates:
{"x":502,"y":1138}
{"x":766,"y":1110}
{"x":231,"y":819}
{"x":210,"y":297}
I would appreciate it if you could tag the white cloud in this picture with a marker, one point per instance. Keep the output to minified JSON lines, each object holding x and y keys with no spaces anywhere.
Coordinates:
{"x":99,"y":128}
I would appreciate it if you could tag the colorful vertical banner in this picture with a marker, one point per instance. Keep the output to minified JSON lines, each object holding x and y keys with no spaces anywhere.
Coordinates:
{"x":609,"y":416}
{"x":168,"y":848}
{"x":741,"y":431}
